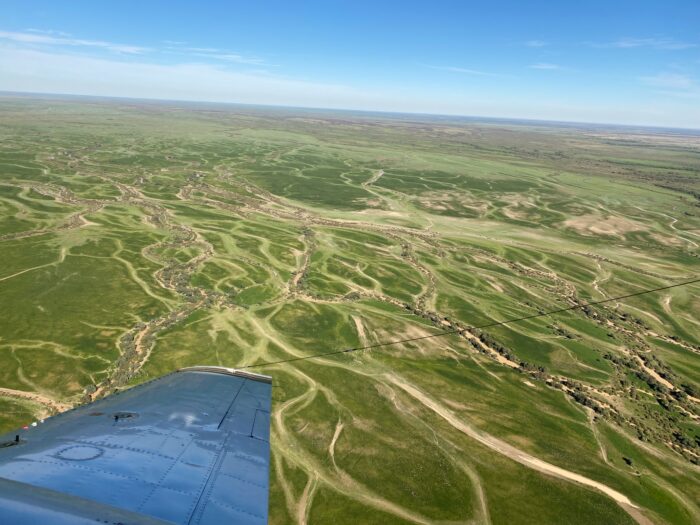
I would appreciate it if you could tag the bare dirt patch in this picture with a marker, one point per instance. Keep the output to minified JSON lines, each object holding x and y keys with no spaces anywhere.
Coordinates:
{"x":597,"y":225}
{"x":360,"y":330}
{"x":667,"y":240}
{"x":451,"y":201}
{"x":519,"y":207}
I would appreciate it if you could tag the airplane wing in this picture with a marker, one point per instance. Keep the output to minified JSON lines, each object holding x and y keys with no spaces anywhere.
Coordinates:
{"x":192,"y":447}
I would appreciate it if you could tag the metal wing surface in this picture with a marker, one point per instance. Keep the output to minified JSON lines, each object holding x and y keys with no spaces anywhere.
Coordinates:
{"x":190,"y":448}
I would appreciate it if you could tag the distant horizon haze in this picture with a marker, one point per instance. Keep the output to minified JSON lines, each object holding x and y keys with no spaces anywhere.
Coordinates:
{"x":626,"y":62}
{"x":428,"y":117}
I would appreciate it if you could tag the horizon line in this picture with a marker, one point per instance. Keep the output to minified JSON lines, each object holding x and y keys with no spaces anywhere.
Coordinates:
{"x":571,"y":123}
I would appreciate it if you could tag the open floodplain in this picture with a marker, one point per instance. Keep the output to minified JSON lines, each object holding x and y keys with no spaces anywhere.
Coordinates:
{"x":137,"y":238}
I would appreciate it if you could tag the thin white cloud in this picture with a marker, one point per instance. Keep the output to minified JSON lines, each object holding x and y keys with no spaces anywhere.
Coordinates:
{"x":215,"y":53}
{"x":689,"y":95}
{"x":465,"y":71}
{"x":675,"y":85}
{"x":49,"y":40}
{"x":232,"y":57}
{"x":545,"y":65}
{"x":670,"y":81}
{"x":48,"y":32}
{"x":56,"y":71}
{"x":202,"y":49}
{"x":536,"y":43}
{"x":667,"y":44}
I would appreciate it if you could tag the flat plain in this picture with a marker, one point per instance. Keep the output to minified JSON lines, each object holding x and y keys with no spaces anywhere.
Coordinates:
{"x":137,"y":238}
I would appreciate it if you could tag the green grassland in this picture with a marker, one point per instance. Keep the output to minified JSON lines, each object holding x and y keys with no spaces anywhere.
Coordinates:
{"x":136,"y":239}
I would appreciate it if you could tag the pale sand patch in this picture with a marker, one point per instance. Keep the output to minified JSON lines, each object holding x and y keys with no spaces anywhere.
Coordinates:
{"x":434,"y":206}
{"x":515,"y":214}
{"x":667,"y":304}
{"x":666,"y":240}
{"x":85,"y":222}
{"x":518,"y":205}
{"x":360,"y":330}
{"x":496,"y":286}
{"x":443,"y":200}
{"x":518,"y":199}
{"x":495,"y":355}
{"x":455,"y":404}
{"x":654,"y":374}
{"x":304,"y":505}
{"x":596,"y":225}
{"x":411,"y":331}
{"x":382,"y":213}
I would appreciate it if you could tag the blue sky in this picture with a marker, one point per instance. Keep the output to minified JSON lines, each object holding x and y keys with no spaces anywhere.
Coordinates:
{"x":611,"y":61}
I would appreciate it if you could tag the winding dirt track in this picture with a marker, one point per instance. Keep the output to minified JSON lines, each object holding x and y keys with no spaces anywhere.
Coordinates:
{"x":337,"y":479}
{"x":374,"y":178}
{"x":175,"y":277}
{"x":51,"y":404}
{"x":515,"y":454}
{"x":331,"y":447}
